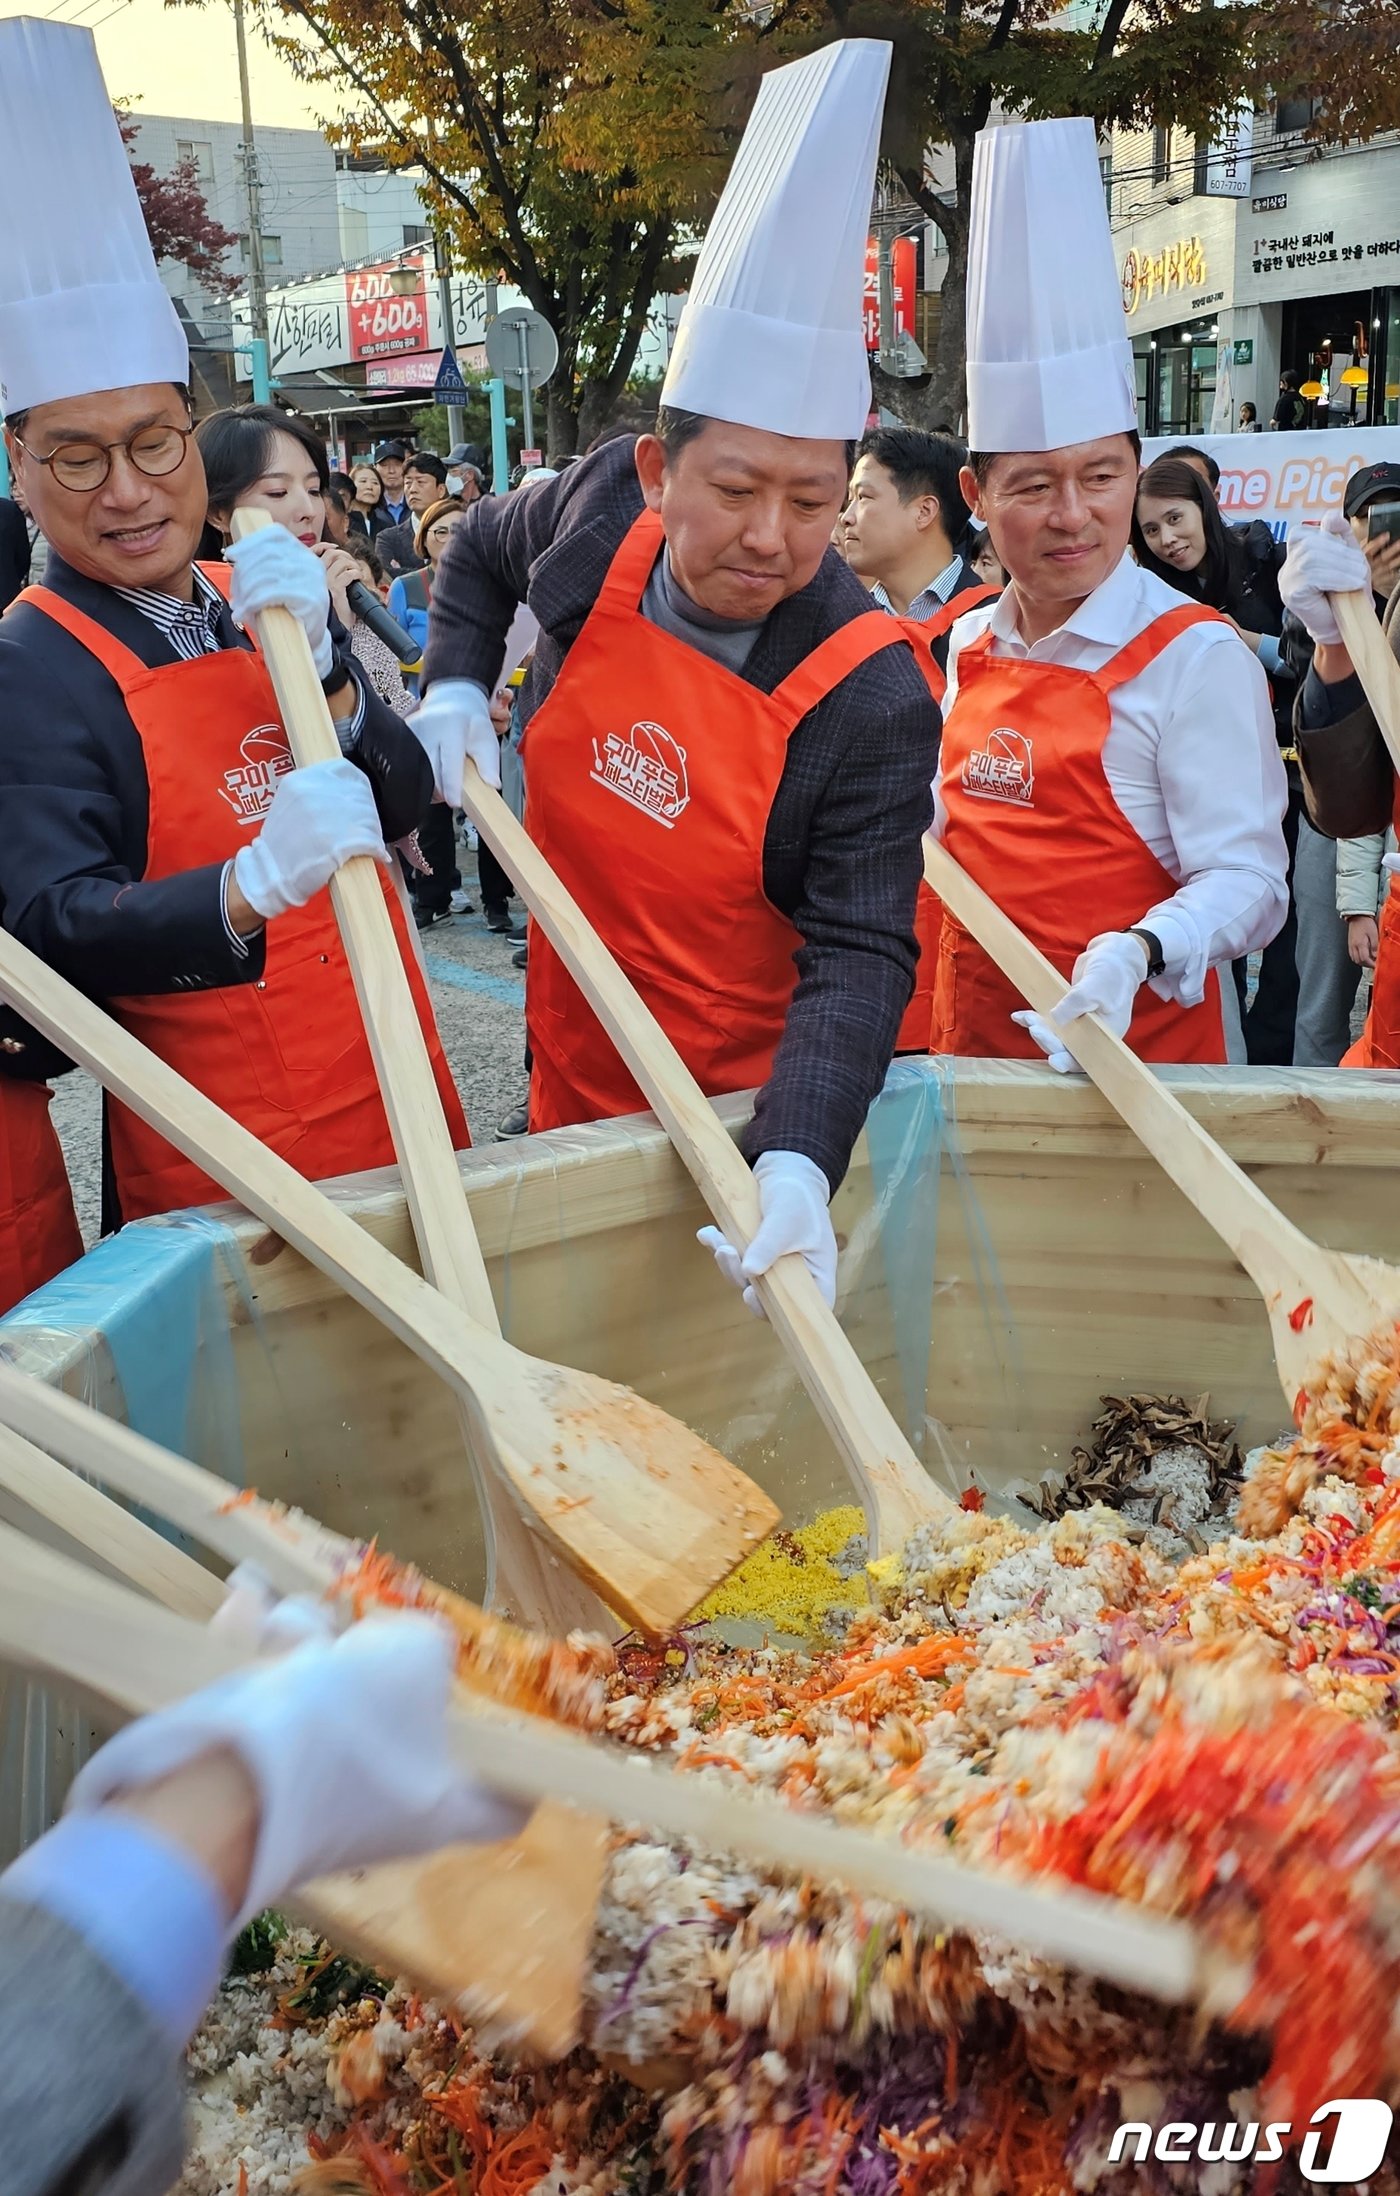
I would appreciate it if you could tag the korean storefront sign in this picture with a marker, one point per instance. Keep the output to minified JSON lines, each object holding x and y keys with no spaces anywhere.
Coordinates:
{"x":1178,"y":266}
{"x":381,"y":323}
{"x":903,"y":270}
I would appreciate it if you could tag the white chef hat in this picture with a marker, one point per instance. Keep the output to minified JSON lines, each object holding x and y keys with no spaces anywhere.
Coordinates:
{"x":772,"y":333}
{"x":81,"y":304}
{"x":1048,"y":357}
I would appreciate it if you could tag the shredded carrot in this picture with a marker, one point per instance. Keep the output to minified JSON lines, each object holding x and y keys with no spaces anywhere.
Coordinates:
{"x":927,"y":1658}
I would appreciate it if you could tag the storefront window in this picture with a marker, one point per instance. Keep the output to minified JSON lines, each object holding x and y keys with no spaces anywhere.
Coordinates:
{"x":1184,"y":378}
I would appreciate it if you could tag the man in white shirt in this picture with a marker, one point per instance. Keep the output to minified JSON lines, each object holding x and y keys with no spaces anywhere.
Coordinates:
{"x":1109,"y":771}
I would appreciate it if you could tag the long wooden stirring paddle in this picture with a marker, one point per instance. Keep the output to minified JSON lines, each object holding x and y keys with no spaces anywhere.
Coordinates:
{"x":897,"y":1494}
{"x":296,"y":1553}
{"x":1317,"y":1300}
{"x":502,"y":1929}
{"x":524,"y":1579}
{"x":649,"y":1515}
{"x":1373,"y":661}
{"x":59,"y":1619}
{"x":33,"y":1487}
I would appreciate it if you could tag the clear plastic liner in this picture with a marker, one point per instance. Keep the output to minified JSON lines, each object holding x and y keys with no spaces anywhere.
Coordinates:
{"x":590,"y":1238}
{"x":140,"y":1329}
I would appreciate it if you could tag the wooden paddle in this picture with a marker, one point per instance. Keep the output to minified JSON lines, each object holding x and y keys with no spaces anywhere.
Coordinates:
{"x":296,"y":1553}
{"x":1373,"y":661}
{"x":528,"y":1582}
{"x":59,"y":1620}
{"x":503,"y":1930}
{"x":1317,"y":1300}
{"x":36,"y":1488}
{"x":650,"y":1515}
{"x":897,"y":1494}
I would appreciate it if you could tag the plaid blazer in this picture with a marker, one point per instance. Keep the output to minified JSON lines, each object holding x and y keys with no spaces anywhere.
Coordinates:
{"x":841,"y":854}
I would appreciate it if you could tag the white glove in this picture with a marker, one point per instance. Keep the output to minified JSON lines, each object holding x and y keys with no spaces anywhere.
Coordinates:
{"x":1108,"y":976}
{"x":346,"y":1743}
{"x":255,"y":1618}
{"x":272,"y":570}
{"x":793,"y":1195}
{"x":319,"y":818}
{"x":451,"y":722}
{"x":1321,"y":561}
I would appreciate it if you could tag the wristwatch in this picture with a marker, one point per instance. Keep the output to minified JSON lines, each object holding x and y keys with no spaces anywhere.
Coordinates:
{"x":1152,"y":946}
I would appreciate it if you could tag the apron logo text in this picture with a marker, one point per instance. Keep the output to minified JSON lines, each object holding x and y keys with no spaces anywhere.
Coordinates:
{"x":647,"y":768}
{"x":249,"y":791}
{"x":1001,"y":771}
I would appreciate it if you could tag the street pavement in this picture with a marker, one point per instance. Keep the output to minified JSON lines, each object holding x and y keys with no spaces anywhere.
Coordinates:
{"x":479,"y":1001}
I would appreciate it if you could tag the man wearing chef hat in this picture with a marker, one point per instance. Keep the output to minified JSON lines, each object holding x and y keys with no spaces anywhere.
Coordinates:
{"x":156,"y":846}
{"x":1109,"y":771}
{"x":728,"y":750}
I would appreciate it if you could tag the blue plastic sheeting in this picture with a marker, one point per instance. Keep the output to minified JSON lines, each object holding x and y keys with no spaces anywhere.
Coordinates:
{"x":153,"y":1296}
{"x":911,"y":1132}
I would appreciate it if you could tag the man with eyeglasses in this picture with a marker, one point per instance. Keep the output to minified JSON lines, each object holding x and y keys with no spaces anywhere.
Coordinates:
{"x":156,"y":845}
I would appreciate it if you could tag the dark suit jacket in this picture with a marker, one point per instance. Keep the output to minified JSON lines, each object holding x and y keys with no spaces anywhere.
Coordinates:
{"x":841,"y":854}
{"x":75,"y":801}
{"x":395,"y":551}
{"x":14,"y":552}
{"x":968,"y":580}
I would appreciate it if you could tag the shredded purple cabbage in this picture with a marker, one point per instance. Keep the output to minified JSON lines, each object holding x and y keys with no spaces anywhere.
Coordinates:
{"x":623,"y":1999}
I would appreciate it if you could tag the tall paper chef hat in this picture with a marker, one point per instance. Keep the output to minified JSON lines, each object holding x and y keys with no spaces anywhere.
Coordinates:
{"x":81,"y":305}
{"x":772,"y":332}
{"x":1048,"y":357}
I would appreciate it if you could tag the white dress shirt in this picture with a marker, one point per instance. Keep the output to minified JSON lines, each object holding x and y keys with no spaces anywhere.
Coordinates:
{"x":1191,"y":760}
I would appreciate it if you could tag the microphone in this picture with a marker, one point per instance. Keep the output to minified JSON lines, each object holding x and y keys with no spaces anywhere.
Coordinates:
{"x":367,"y":607}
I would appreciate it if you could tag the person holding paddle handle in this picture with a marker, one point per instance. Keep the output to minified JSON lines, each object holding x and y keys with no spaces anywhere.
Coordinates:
{"x":158,"y":848}
{"x":727,"y":751}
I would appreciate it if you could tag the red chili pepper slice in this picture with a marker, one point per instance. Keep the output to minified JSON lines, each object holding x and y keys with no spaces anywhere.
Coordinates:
{"x":971,"y":1498}
{"x":1301,"y":1315}
{"x":1300,"y":1404}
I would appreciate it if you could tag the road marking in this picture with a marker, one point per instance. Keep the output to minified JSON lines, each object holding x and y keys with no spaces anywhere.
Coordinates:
{"x":502,"y":989}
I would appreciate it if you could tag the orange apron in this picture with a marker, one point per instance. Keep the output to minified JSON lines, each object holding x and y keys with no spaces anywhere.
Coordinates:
{"x":1032,"y":818}
{"x":38,"y":1228}
{"x":1378,"y":1046}
{"x":286,"y":1055}
{"x":916,"y":1030}
{"x":650,"y":774}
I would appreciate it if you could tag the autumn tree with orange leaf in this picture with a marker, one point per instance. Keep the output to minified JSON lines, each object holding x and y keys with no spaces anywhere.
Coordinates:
{"x":573,"y":148}
{"x":1187,"y":63}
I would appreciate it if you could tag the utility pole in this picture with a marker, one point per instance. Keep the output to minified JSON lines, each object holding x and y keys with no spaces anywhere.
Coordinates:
{"x":442,"y":253}
{"x":252,"y":193}
{"x":888,"y":338}
{"x":496,"y":389}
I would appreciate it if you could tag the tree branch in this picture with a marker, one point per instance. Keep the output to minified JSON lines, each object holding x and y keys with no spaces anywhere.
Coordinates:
{"x":1109,"y":31}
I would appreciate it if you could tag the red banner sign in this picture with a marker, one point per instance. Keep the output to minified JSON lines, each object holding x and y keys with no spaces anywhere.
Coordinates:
{"x":904,"y":269}
{"x":382,"y":325}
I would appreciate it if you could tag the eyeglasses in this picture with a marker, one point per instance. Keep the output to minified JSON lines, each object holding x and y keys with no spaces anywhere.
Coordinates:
{"x":83,"y":466}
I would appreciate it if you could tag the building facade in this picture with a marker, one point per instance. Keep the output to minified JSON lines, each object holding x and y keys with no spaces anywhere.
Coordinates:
{"x":1253,"y":256}
{"x":320,"y":207}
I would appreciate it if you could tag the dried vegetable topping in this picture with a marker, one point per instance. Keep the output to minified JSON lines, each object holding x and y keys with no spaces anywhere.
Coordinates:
{"x":1163,"y":1463}
{"x":1215,"y":1739}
